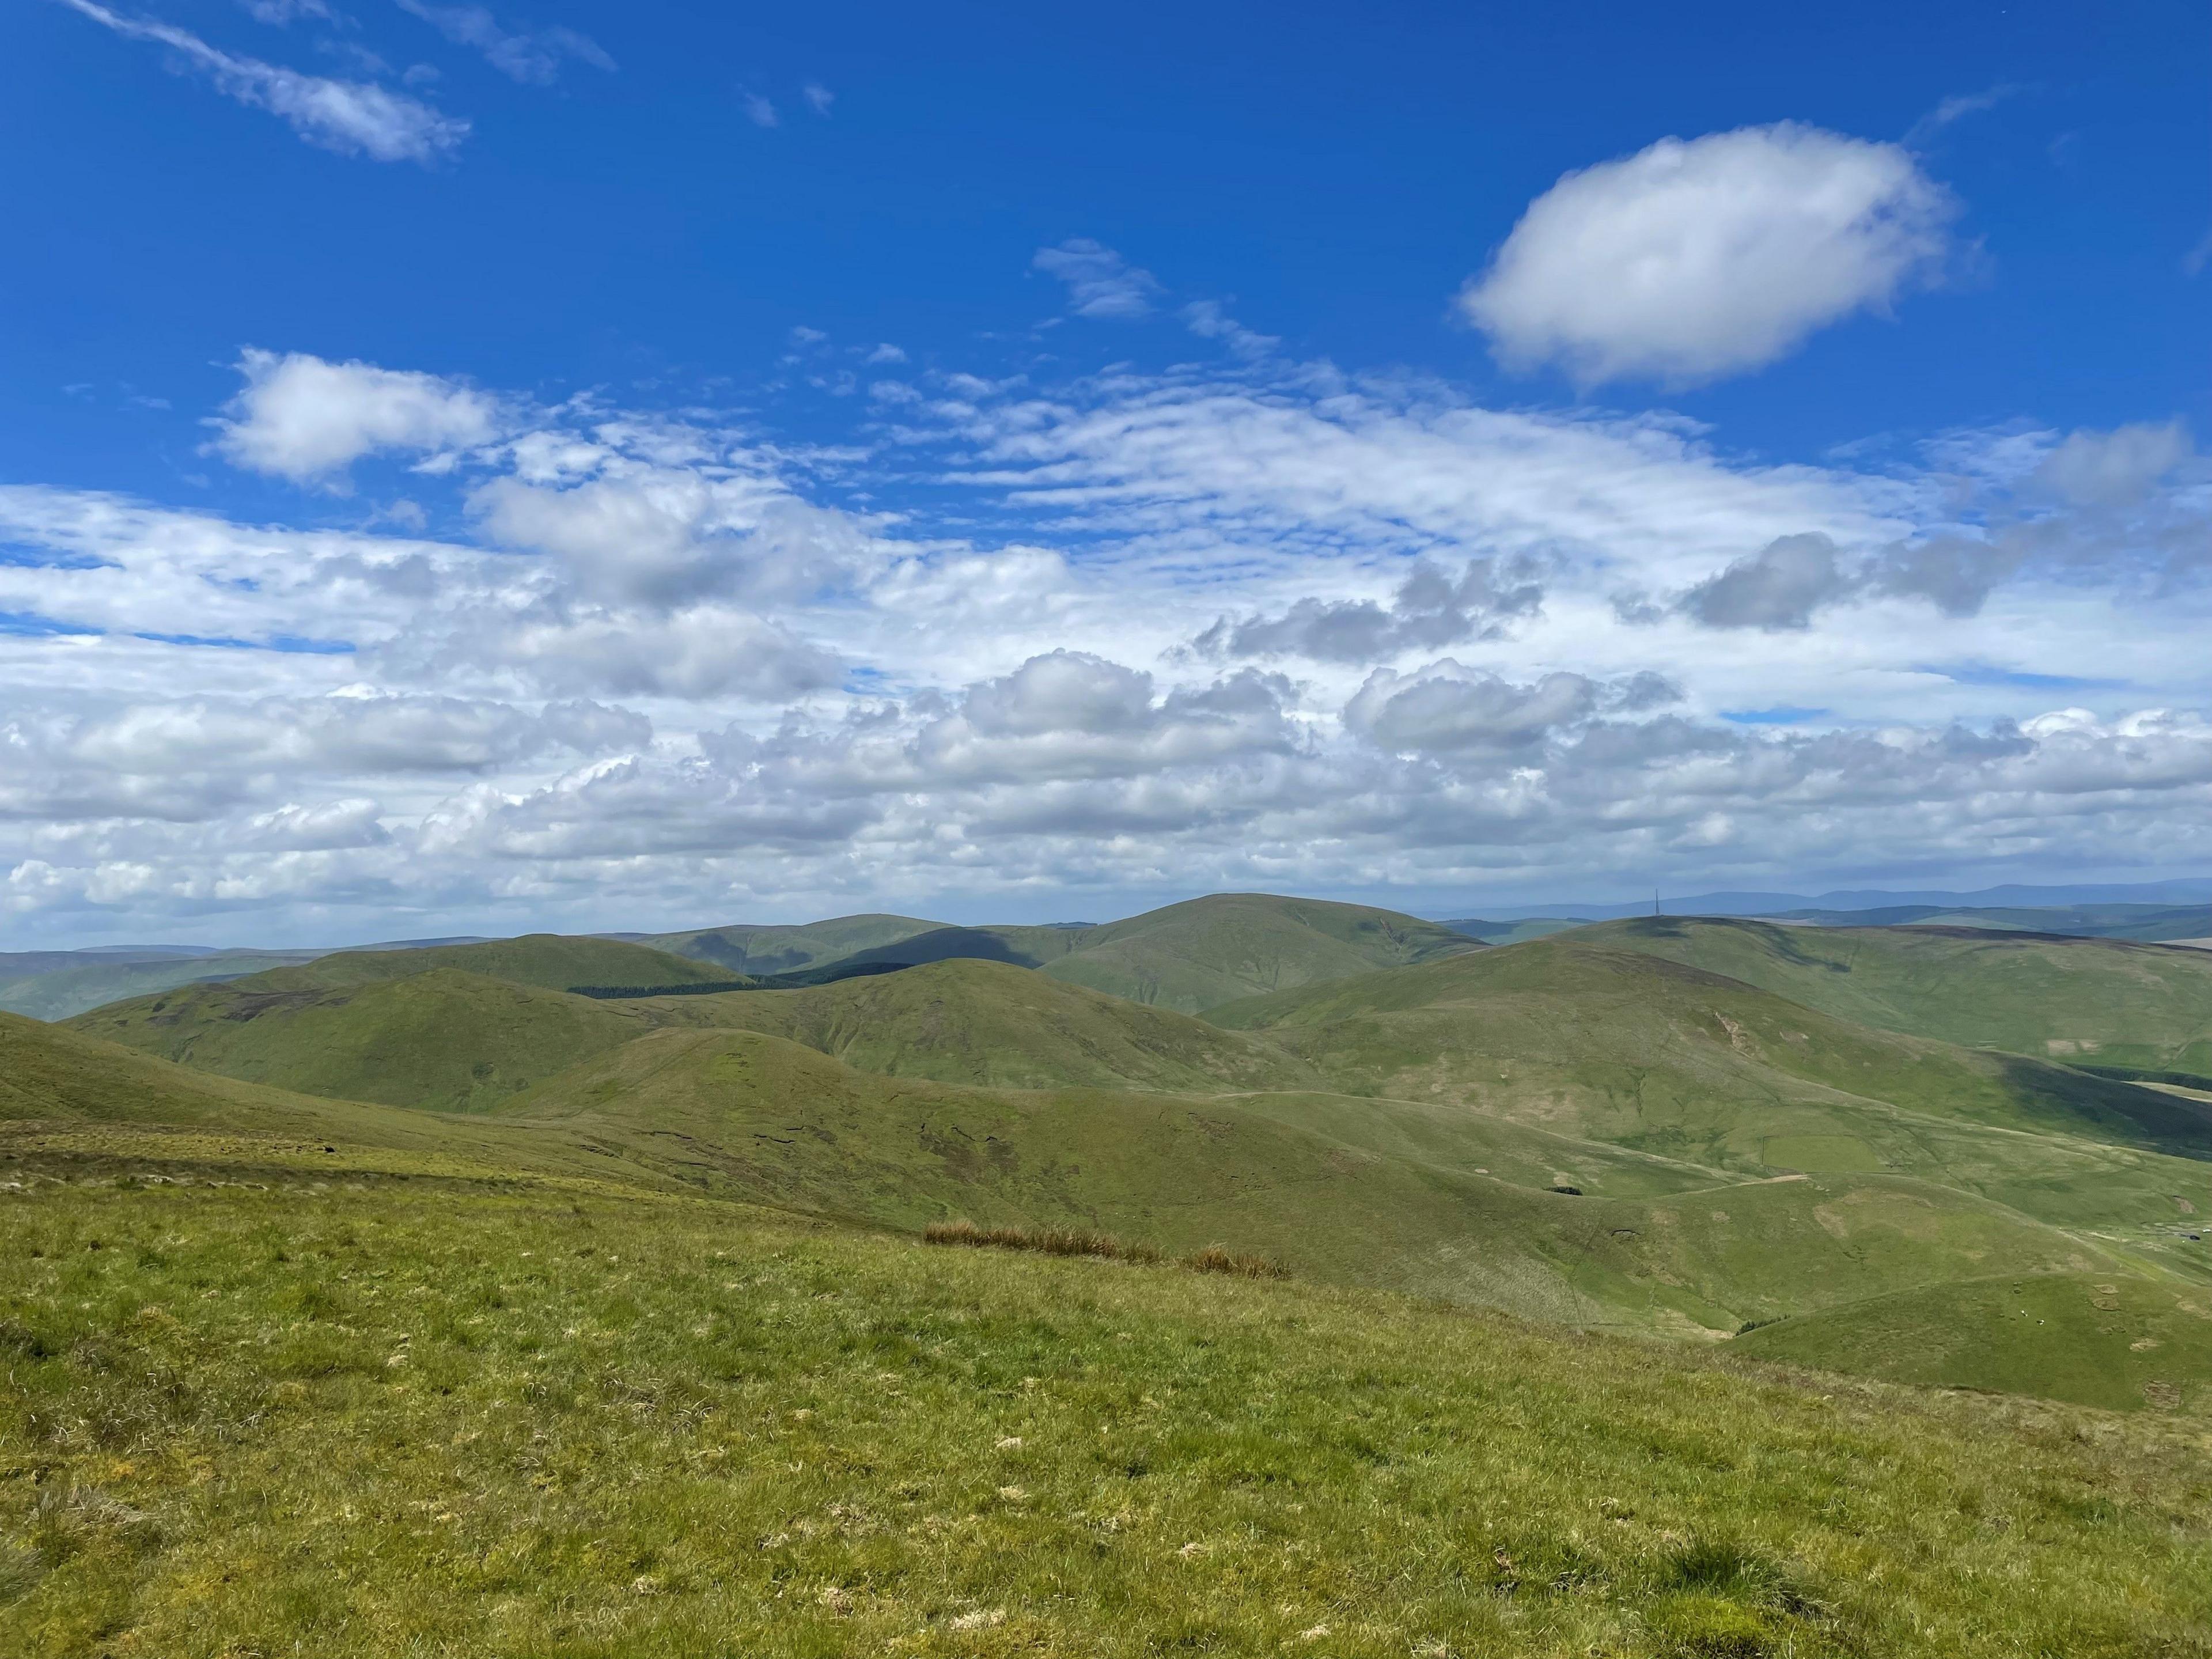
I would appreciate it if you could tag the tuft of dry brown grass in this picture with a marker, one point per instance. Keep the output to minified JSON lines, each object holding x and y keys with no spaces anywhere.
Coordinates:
{"x":1063,"y":1241}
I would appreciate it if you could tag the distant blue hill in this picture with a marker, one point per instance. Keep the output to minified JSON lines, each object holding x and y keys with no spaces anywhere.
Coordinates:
{"x":2196,"y":890}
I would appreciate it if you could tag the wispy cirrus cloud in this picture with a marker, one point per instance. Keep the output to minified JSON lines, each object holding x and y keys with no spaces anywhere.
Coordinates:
{"x":353,"y":117}
{"x":1100,"y":281}
{"x":532,"y":57}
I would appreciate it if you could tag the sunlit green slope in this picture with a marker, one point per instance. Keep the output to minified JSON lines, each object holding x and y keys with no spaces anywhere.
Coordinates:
{"x":68,"y":1096}
{"x":58,"y":993}
{"x":970,"y":1021}
{"x":1196,"y":955}
{"x":446,"y":1039}
{"x":1364,"y":1192}
{"x":412,"y":1418}
{"x":2105,"y":1002}
{"x":773,"y":949}
{"x":2114,"y":1341}
{"x":1631,"y":1048}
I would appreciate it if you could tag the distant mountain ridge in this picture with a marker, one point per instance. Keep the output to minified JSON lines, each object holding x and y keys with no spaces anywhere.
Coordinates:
{"x":2190,"y":890}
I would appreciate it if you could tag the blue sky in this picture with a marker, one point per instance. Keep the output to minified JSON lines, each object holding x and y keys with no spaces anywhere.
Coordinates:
{"x":621,"y":466}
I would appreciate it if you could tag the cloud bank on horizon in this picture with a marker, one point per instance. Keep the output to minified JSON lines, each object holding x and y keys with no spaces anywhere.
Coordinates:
{"x":1060,"y":639}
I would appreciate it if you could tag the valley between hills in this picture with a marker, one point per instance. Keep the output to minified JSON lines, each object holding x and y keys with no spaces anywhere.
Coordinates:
{"x":1723,"y":1212}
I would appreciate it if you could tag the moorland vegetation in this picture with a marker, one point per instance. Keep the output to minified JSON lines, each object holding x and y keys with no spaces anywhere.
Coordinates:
{"x":1339,"y":1283}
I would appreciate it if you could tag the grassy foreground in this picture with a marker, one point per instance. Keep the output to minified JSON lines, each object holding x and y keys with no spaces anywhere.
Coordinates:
{"x":363,"y":1415}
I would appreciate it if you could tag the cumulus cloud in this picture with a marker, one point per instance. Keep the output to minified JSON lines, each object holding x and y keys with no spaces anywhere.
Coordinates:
{"x":662,"y":537}
{"x":703,"y":652}
{"x":303,"y":418}
{"x":2104,"y":469}
{"x":663,"y":679}
{"x":353,"y":117}
{"x":1100,"y":281}
{"x":1448,"y":708}
{"x":1430,"y":609}
{"x":1695,"y":259}
{"x":1779,"y":587}
{"x":533,"y":57}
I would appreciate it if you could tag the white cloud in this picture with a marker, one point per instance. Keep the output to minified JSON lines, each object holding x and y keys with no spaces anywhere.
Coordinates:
{"x":667,"y":680}
{"x":532,"y":57}
{"x":1958,"y":107}
{"x":1430,"y":609}
{"x":279,"y":12}
{"x":819,"y":97}
{"x":352,"y":117}
{"x":302,"y":418}
{"x":1448,"y":708}
{"x":1780,"y":586}
{"x":1100,"y":281}
{"x":1692,"y":260}
{"x":758,"y":110}
{"x":2120,"y":466}
{"x":1210,"y":320}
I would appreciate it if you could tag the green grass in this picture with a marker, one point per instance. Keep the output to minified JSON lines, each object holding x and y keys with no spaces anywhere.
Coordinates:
{"x":1597,"y":1136}
{"x":1199,"y":955}
{"x":395,"y":1417}
{"x":444,"y":1040}
{"x":1398,"y":1194}
{"x":548,"y":962}
{"x":1616,"y":1045}
{"x":772,"y":949}
{"x":2104,"y":1001}
{"x":58,"y":993}
{"x":1191,"y":957}
{"x":2124,"y":1344}
{"x":969,"y":1021}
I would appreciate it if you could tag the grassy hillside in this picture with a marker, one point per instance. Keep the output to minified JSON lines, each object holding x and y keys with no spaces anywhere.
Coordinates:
{"x":550,"y":961}
{"x":2123,"y":1344}
{"x":1356,"y":1191}
{"x":1026,"y":947}
{"x":1619,"y":1046}
{"x":2135,"y":921}
{"x":2099,"y":1002}
{"x":58,"y":992}
{"x":967,"y":1021}
{"x":1513,"y":932}
{"x":444,"y":1040}
{"x":1197,"y":956}
{"x":72,"y":1102}
{"x":405,"y":1420}
{"x":773,"y":949}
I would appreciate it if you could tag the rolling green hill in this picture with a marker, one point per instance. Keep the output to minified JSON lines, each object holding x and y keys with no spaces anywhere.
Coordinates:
{"x":549,"y":961}
{"x":1639,"y":1050}
{"x":444,"y":1040}
{"x":73,"y":1099}
{"x":2134,"y":922}
{"x":2116,"y":1342}
{"x":1360,"y":1191}
{"x":2110,"y":1002}
{"x":779,"y":949}
{"x":970,"y":1021}
{"x":1190,"y":957}
{"x":1197,"y":956}
{"x":1026,"y":947}
{"x":1575,"y":1128}
{"x":59,"y":991}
